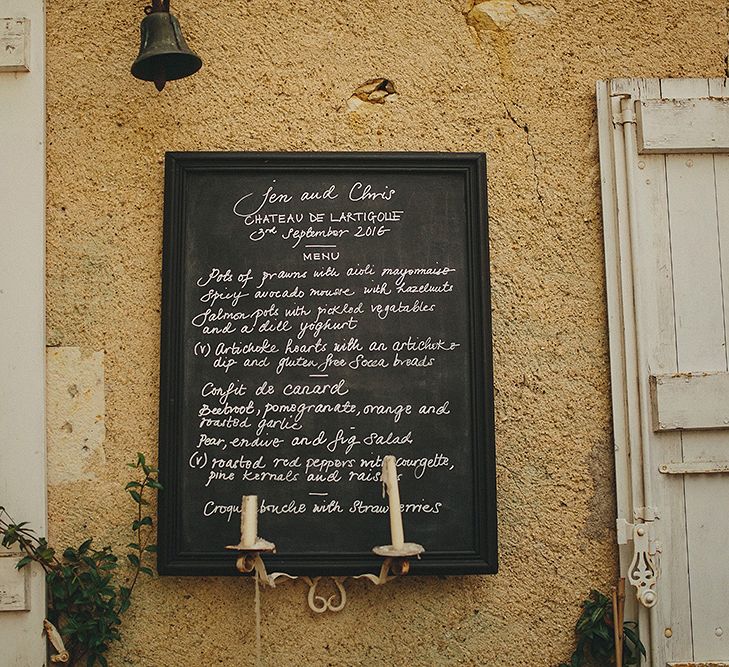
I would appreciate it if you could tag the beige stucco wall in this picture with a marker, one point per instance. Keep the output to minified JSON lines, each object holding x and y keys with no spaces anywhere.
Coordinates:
{"x":516,"y":81}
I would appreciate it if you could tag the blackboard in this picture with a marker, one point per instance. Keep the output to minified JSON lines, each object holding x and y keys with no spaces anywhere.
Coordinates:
{"x":320,"y":311}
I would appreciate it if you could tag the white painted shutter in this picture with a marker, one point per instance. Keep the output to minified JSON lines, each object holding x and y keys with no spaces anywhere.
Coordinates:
{"x":664,"y":155}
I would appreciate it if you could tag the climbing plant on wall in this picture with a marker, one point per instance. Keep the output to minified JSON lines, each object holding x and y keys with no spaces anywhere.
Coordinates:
{"x":86,"y":593}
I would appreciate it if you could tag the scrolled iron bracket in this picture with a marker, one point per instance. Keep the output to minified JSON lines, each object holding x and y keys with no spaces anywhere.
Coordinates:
{"x":391,"y":568}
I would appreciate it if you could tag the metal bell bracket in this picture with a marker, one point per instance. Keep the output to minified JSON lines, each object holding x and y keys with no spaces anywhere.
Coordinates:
{"x":391,"y":568}
{"x":157,"y":6}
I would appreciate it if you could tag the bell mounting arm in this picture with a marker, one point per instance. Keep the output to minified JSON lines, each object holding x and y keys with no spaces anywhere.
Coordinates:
{"x":157,"y":6}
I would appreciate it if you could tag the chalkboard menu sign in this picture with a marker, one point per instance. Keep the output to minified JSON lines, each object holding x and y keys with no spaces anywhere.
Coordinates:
{"x":320,"y":311}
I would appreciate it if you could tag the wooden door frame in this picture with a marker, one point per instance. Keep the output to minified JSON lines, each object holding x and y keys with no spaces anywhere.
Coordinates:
{"x":22,"y":335}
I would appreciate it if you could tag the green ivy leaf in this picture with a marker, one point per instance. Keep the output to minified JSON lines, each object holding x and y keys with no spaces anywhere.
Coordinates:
{"x":126,"y":595}
{"x":23,"y":562}
{"x":47,"y":554}
{"x":144,"y":521}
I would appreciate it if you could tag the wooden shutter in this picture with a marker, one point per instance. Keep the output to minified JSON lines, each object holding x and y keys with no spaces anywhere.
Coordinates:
{"x":664,"y":155}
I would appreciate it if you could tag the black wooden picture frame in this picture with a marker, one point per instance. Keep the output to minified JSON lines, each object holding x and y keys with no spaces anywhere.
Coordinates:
{"x":190,"y":219}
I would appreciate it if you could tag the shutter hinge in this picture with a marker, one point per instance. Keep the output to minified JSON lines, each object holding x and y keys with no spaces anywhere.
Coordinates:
{"x":627,"y":111}
{"x":645,"y":513}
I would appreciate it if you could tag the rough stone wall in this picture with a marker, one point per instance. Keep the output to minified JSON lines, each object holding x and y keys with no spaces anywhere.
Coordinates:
{"x":513,"y":79}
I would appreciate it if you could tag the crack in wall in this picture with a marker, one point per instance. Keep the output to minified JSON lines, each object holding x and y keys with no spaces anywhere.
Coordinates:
{"x":535,"y":162}
{"x":524,"y":127}
{"x":512,"y":472}
{"x":494,"y":18}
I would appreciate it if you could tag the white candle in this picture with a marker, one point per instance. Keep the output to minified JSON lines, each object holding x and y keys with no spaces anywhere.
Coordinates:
{"x":389,"y":477}
{"x":249,"y":521}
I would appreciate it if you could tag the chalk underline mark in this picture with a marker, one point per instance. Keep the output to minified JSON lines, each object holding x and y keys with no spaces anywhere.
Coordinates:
{"x":312,"y":493}
{"x":320,"y":246}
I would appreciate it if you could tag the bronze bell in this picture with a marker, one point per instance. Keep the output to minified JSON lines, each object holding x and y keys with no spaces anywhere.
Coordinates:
{"x":163,"y":53}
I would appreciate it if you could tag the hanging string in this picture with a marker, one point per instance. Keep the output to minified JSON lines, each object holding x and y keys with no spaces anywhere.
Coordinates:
{"x":259,"y":660}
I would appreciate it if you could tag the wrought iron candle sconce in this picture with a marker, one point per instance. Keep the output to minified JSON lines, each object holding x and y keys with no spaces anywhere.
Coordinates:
{"x":396,"y":557}
{"x":393,"y":566}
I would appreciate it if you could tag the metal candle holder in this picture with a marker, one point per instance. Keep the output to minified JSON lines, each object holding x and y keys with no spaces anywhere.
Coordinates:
{"x":396,"y":557}
{"x":250,"y":556}
{"x":395,"y":563}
